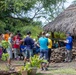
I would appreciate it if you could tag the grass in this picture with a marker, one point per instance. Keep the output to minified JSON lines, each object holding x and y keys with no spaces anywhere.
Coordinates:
{"x":42,"y":74}
{"x":52,"y":71}
{"x":64,"y":71}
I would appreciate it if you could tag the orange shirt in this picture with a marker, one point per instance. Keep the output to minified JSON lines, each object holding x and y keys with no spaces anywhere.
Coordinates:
{"x":6,"y":36}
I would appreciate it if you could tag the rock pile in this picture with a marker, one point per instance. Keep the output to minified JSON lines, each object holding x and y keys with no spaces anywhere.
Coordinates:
{"x":58,"y":55}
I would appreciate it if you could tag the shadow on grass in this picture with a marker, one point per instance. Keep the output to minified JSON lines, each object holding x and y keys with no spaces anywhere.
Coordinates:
{"x":43,"y":74}
{"x":39,"y":74}
{"x":69,"y":71}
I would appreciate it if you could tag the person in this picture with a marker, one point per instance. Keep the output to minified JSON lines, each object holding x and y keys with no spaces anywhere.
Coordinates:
{"x":6,"y":36}
{"x":49,"y":46}
{"x":9,"y":49}
{"x":36,"y":49}
{"x":28,"y":41}
{"x":69,"y":45}
{"x":23,"y":50}
{"x":1,"y":38}
{"x":43,"y":42}
{"x":16,"y":45}
{"x":19,"y":33}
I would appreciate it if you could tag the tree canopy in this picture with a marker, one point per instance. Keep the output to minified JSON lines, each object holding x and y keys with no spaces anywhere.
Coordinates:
{"x":18,"y":13}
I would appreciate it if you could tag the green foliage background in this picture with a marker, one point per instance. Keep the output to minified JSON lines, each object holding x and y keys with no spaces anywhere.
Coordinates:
{"x":12,"y":19}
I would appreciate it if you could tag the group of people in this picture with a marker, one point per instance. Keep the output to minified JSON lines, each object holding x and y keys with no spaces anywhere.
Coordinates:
{"x":28,"y":47}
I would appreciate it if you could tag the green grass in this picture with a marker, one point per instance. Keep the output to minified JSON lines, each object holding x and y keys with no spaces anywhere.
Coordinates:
{"x":64,"y":71}
{"x":43,"y":74}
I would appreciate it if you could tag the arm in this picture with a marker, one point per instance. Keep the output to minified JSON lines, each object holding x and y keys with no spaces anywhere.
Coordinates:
{"x":38,"y":45}
{"x":22,"y":49}
{"x":69,"y":40}
{"x":32,"y":43}
{"x":51,"y":43}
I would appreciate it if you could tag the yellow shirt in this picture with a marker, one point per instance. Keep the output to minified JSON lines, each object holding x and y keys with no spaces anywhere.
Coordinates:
{"x":49,"y":43}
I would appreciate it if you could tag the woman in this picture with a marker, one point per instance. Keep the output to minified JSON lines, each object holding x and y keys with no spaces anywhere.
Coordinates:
{"x":9,"y":49}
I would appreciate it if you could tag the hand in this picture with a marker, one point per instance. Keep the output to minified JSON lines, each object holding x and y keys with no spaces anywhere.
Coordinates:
{"x":65,"y":41}
{"x":12,"y":49}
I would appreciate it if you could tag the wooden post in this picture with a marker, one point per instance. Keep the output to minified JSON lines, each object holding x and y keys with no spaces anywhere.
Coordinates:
{"x":52,"y":33}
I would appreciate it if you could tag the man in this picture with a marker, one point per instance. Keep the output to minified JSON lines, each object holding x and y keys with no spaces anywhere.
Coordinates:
{"x":43,"y":42}
{"x":69,"y":44}
{"x":16,"y":45}
{"x":49,"y":46}
{"x":29,"y":43}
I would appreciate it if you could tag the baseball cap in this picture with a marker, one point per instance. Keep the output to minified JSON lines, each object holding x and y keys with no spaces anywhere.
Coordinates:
{"x":68,"y":33}
{"x":47,"y":34}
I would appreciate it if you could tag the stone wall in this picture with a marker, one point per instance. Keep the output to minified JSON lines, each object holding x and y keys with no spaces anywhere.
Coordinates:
{"x":58,"y":54}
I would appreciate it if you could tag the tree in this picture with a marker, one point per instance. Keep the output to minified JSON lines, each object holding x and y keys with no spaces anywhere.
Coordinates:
{"x":15,"y":13}
{"x":74,"y":2}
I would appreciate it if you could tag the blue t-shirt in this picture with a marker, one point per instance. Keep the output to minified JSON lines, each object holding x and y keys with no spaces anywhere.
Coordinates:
{"x":22,"y":48}
{"x":29,"y":43}
{"x":43,"y":41}
{"x":70,"y":43}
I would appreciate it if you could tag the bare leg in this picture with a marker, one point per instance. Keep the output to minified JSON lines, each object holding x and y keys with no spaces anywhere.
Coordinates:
{"x":9,"y":61}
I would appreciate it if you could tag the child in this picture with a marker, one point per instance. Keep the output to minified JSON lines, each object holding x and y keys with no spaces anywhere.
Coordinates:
{"x":23,"y":50}
{"x":36,"y":47}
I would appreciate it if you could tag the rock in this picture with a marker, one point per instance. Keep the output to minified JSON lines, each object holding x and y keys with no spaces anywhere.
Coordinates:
{"x":58,"y":54}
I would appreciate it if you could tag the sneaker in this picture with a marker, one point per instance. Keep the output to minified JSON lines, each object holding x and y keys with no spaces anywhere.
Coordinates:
{"x":24,"y":63}
{"x":69,"y":60}
{"x":8,"y":66}
{"x":42,"y":69}
{"x":15,"y":58}
{"x":45,"y":69}
{"x":12,"y":68}
{"x":65,"y":61}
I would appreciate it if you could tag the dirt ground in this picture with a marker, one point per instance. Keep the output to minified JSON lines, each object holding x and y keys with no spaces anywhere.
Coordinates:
{"x":54,"y":68}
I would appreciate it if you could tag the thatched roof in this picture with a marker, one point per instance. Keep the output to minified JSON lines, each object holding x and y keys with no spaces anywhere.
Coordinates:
{"x":65,"y":22}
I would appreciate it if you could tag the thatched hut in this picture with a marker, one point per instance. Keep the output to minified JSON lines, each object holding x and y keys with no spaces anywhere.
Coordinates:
{"x":64,"y":22}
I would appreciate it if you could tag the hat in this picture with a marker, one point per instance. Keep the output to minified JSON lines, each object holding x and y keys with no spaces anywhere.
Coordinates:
{"x":47,"y":35}
{"x":68,"y":33}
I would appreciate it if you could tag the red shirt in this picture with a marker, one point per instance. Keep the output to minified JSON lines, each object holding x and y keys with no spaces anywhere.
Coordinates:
{"x":16,"y":41}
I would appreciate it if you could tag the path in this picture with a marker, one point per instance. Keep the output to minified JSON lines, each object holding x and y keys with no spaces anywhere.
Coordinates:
{"x":54,"y":69}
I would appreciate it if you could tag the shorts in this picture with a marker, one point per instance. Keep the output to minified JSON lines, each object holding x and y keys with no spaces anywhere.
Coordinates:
{"x":44,"y":54}
{"x":24,"y":54}
{"x":29,"y":53}
{"x":9,"y":51}
{"x":16,"y":52}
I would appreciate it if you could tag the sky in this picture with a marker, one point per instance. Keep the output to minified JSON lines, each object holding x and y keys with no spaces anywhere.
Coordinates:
{"x":68,"y":3}
{"x":43,"y":20}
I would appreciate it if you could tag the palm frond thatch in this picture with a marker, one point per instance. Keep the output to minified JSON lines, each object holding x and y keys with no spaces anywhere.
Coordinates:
{"x":64,"y":22}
